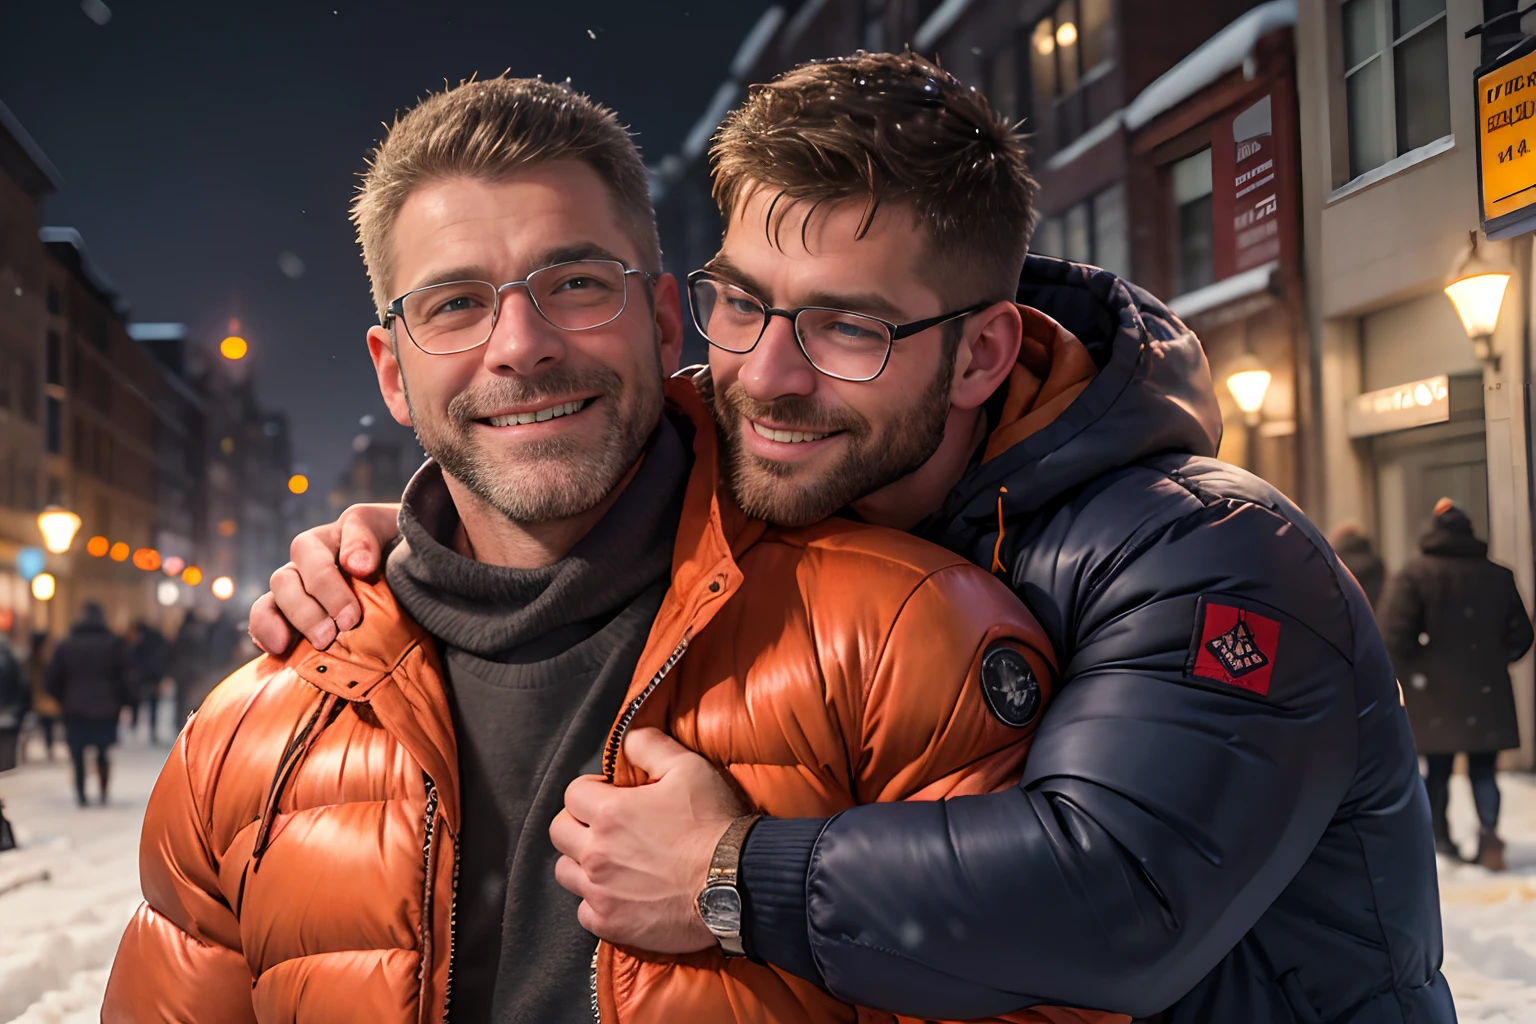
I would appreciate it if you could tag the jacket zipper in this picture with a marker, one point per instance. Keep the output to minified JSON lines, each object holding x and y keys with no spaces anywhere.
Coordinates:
{"x":616,"y":738}
{"x":453,"y":892}
{"x":611,"y":760}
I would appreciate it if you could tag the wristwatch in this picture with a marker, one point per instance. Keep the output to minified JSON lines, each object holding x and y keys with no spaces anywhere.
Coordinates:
{"x":719,"y":901}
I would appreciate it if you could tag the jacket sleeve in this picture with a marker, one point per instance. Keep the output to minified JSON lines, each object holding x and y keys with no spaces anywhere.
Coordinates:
{"x":180,"y":959}
{"x":1159,"y":815}
{"x":1517,"y":625}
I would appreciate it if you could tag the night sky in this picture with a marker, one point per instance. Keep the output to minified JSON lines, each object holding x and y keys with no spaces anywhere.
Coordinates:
{"x":203,"y":143}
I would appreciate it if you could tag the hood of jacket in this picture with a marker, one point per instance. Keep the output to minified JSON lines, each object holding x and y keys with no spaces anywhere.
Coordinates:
{"x":1451,"y":535}
{"x":1152,"y":393}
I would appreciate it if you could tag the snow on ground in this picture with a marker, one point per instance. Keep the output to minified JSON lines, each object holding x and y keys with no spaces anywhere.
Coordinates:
{"x":67,"y":894}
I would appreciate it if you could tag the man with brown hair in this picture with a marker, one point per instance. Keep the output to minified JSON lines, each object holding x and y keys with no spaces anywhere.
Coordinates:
{"x":361,"y":833}
{"x":1222,"y":820}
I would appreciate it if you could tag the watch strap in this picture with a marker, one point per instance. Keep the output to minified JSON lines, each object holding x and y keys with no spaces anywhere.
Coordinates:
{"x":726,"y":862}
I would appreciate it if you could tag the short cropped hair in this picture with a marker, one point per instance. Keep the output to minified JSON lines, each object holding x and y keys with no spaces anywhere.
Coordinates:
{"x":889,"y":128}
{"x":490,"y":130}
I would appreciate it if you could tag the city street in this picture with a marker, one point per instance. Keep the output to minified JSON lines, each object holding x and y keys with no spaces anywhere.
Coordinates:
{"x":67,"y":893}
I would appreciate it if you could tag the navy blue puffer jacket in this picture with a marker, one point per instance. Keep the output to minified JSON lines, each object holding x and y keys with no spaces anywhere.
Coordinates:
{"x":1222,"y":816}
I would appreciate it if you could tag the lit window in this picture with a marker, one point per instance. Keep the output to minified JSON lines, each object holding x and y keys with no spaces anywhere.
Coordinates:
{"x":1066,"y":51}
{"x":1396,"y":80}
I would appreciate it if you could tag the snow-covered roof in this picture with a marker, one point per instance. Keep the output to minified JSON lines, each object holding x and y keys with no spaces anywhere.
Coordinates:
{"x":1215,"y":57}
{"x":1086,"y":141}
{"x":28,"y":146}
{"x":938,"y":23}
{"x":93,"y":274}
{"x":157,"y":332}
{"x":752,"y":46}
{"x":1228,"y":289}
{"x":704,"y":127}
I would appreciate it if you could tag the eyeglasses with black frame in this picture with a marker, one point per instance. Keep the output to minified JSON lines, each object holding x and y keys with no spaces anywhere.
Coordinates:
{"x":456,"y":316}
{"x":840,"y":343}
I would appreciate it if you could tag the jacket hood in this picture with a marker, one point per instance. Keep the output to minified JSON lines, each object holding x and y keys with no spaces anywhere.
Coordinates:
{"x":1152,"y":393}
{"x":1452,"y":535}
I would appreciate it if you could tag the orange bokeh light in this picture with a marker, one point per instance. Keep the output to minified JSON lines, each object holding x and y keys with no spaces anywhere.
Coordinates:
{"x":191,"y":575}
{"x":147,"y":559}
{"x":298,"y":483}
{"x":119,"y":552}
{"x":233,"y":348}
{"x":228,"y":528}
{"x":97,"y":546}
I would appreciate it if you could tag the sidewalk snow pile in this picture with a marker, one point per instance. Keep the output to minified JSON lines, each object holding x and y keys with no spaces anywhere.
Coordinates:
{"x":1490,"y":920}
{"x":67,"y":893}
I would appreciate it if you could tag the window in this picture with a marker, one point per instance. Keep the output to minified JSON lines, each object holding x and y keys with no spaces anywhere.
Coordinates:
{"x":1094,"y":231}
{"x":53,"y":425}
{"x":1066,"y":51}
{"x":26,"y":389}
{"x":55,"y":358}
{"x":1396,"y":80}
{"x":1194,"y":259}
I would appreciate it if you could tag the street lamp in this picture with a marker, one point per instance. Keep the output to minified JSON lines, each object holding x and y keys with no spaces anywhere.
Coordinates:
{"x":1249,"y":383}
{"x":1476,"y":288}
{"x":58,"y":527}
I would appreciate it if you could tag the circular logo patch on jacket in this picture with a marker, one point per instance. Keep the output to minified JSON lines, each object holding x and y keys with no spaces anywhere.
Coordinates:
{"x":1010,"y":687}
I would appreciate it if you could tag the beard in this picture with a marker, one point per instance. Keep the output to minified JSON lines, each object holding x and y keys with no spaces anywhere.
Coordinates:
{"x":792,"y":495}
{"x":546,"y":480}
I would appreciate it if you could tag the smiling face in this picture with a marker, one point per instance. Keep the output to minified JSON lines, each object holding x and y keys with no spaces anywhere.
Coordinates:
{"x":539,"y":423}
{"x":800,"y":445}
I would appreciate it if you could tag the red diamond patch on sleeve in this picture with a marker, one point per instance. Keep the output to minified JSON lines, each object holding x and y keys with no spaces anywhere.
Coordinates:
{"x":1234,"y":646}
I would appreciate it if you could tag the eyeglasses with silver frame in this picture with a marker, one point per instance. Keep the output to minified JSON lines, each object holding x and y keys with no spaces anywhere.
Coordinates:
{"x":456,"y":316}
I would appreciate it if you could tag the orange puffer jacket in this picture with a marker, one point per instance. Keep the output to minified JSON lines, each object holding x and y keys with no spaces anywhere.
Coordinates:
{"x":299,"y":850}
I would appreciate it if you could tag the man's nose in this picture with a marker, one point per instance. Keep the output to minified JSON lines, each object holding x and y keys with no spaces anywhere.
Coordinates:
{"x":776,"y":367}
{"x":522,"y":340}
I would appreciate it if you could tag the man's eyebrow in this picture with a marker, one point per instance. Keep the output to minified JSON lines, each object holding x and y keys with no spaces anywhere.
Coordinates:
{"x":863,"y":302}
{"x":453,"y":274}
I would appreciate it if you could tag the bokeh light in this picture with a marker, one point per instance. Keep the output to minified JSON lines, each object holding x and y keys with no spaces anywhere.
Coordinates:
{"x":44,"y":586}
{"x":147,"y":559}
{"x":119,"y":552}
{"x":233,"y":348}
{"x":298,"y":483}
{"x":173,"y":565}
{"x":223,"y":588}
{"x":228,"y":528}
{"x":98,"y":546}
{"x":191,"y":575}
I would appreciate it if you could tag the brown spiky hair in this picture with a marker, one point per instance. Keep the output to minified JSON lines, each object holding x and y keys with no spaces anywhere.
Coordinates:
{"x":888,"y":128}
{"x":490,"y":130}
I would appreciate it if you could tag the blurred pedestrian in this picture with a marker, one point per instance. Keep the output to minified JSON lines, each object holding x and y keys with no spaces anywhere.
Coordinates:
{"x":15,"y":699}
{"x":44,"y":708}
{"x":1359,"y":556}
{"x":1454,"y":622}
{"x":89,"y":676}
{"x":188,"y":666}
{"x":149,"y":654}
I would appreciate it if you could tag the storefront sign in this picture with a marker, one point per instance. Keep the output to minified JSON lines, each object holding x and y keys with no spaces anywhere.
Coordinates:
{"x":1252,"y":175}
{"x":1506,"y":150}
{"x":1397,"y":408}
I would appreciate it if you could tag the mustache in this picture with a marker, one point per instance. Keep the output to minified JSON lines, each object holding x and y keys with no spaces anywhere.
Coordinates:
{"x":801,"y":411}
{"x":491,"y":397}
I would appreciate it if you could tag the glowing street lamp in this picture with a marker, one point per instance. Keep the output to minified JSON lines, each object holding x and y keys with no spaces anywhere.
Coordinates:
{"x":1476,"y":288}
{"x":1249,"y":383}
{"x":223,"y":588}
{"x":58,"y":527}
{"x":44,"y":586}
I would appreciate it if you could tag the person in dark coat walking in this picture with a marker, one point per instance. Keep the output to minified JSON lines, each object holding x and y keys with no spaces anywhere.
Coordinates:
{"x":149,"y":654}
{"x":1359,"y":556}
{"x":1454,"y":623}
{"x":90,"y":678}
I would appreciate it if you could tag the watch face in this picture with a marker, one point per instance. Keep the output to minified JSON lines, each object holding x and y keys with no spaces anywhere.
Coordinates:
{"x":720,"y":907}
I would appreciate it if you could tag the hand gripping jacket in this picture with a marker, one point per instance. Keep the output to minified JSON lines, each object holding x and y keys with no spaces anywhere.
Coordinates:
{"x":298,"y":857}
{"x":1200,"y":832}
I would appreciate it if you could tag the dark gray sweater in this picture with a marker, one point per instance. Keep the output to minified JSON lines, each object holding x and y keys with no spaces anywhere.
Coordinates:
{"x":537,"y":664}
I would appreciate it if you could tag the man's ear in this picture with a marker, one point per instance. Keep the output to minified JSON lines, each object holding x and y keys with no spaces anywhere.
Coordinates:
{"x":986,"y":354}
{"x":669,"y":323}
{"x":386,"y":364}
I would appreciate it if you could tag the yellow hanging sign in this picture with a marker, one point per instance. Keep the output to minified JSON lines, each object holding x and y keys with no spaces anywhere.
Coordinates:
{"x":1506,"y":134}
